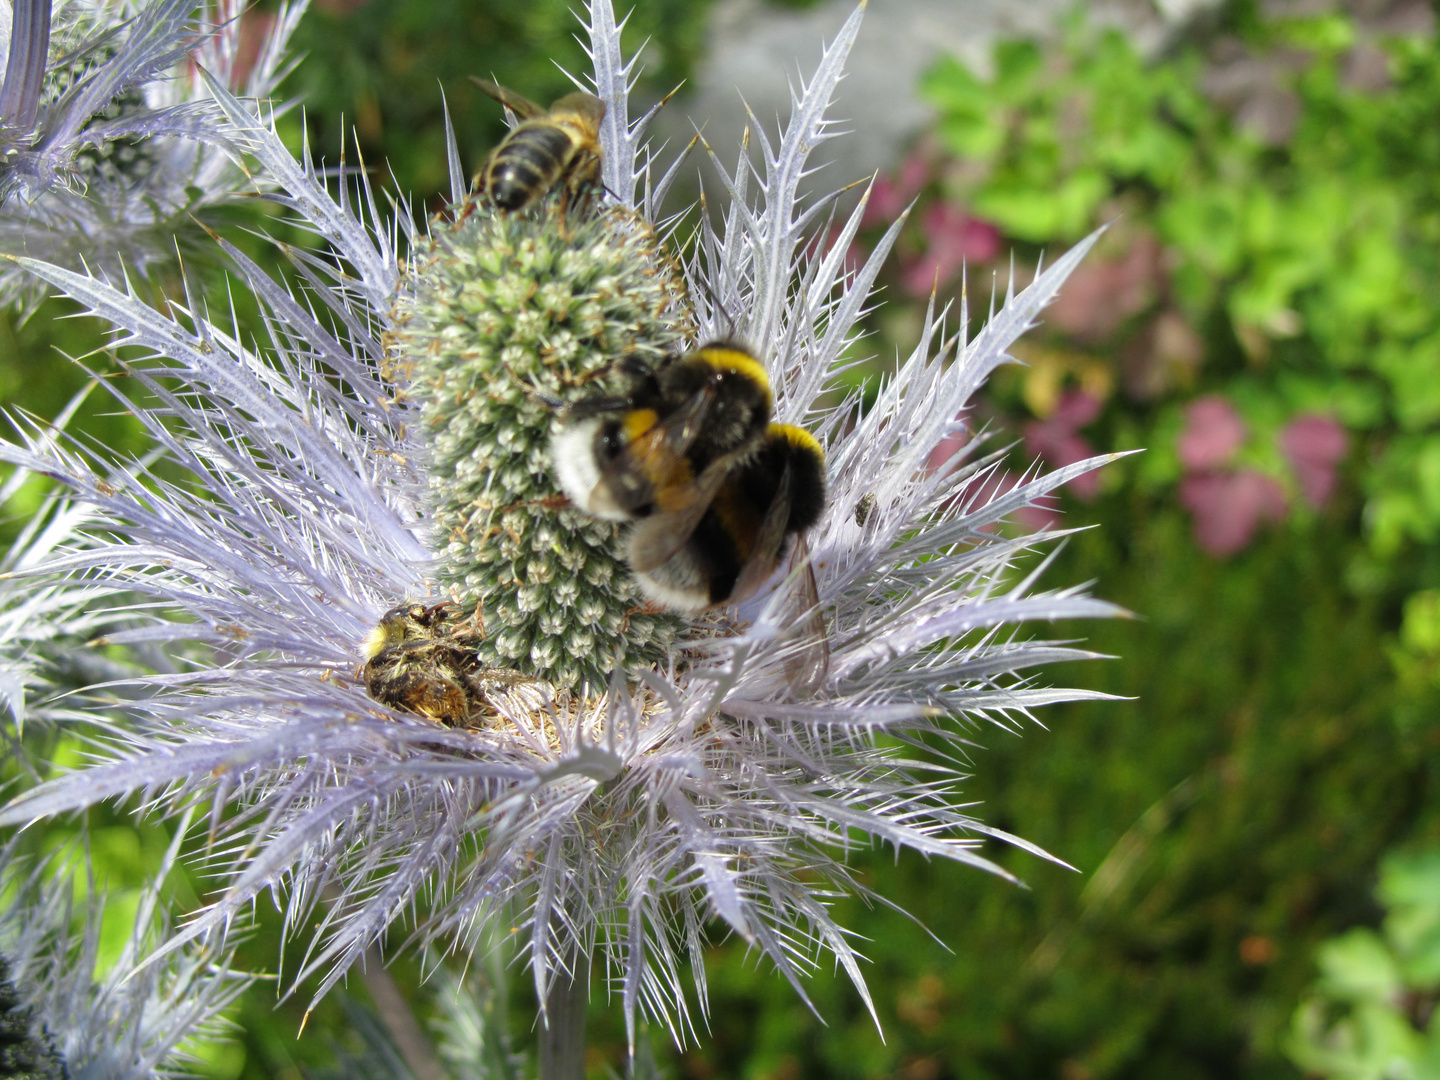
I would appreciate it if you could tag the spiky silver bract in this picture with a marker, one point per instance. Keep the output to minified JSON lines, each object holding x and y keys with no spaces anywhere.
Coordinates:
{"x":110,"y":148}
{"x":614,"y":825}
{"x":130,"y":1020}
{"x":502,"y":312}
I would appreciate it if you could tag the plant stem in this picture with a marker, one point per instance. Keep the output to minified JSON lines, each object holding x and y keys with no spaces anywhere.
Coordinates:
{"x":562,"y":1037}
{"x":399,"y":1019}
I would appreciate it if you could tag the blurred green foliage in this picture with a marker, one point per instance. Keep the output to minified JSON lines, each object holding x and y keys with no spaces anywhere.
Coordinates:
{"x":1371,"y":1014}
{"x":1287,"y":172}
{"x":1223,"y":823}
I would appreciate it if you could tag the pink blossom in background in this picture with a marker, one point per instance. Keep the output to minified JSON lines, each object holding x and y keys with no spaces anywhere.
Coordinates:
{"x":855,"y":254}
{"x":1229,"y":506}
{"x":992,"y":484}
{"x":1102,"y":294}
{"x":1314,"y":445}
{"x":1056,"y":440}
{"x":1213,"y":432}
{"x":1045,"y":514}
{"x":945,"y":449}
{"x":255,"y":27}
{"x":953,"y":237}
{"x":889,"y":198}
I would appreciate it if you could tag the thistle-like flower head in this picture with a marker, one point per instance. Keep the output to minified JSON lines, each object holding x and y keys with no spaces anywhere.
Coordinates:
{"x":109,"y":144}
{"x":382,"y":439}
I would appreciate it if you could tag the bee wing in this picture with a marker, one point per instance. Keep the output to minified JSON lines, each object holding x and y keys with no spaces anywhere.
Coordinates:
{"x":631,"y":472}
{"x":522,"y":107}
{"x":809,"y":665}
{"x":658,"y":537}
{"x":589,"y":108}
{"x":768,"y":541}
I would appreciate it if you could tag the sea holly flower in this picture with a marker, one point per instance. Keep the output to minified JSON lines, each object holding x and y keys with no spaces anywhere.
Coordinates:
{"x":382,"y":437}
{"x":110,"y":147}
{"x":62,"y":1015}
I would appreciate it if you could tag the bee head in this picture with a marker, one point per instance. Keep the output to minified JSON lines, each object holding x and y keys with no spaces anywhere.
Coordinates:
{"x":737,"y":384}
{"x":404,"y":622}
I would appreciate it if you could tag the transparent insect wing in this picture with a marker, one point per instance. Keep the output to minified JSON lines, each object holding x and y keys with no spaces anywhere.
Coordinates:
{"x":659,"y":537}
{"x":808,"y":666}
{"x":521,"y":106}
{"x":587,"y":108}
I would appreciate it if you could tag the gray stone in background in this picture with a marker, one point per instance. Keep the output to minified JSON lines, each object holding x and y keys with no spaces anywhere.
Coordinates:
{"x":754,"y":48}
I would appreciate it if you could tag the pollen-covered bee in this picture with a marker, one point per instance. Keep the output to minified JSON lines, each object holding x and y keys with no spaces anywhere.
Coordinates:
{"x":670,"y":440}
{"x":559,"y":145}
{"x":422,"y":660}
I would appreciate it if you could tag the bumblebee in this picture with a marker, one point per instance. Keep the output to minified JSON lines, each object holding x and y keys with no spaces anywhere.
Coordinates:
{"x":702,"y":555}
{"x":668,"y":444}
{"x":559,"y":145}
{"x":420,"y":659}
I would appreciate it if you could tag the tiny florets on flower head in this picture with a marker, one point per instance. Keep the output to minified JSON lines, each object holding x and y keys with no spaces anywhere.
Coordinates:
{"x":504,"y":316}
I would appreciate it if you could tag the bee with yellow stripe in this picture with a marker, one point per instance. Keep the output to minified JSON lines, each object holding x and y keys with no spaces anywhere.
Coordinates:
{"x":669,"y":439}
{"x":719,"y":495}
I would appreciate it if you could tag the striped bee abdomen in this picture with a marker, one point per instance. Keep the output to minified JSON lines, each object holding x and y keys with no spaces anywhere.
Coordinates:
{"x":527,"y":163}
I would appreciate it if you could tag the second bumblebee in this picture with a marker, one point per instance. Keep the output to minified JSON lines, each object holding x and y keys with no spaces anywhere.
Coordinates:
{"x":718,"y":493}
{"x":688,"y":561}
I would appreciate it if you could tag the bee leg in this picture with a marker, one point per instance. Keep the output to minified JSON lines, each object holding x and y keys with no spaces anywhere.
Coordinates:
{"x":564,"y":214}
{"x":550,"y":401}
{"x":650,"y":607}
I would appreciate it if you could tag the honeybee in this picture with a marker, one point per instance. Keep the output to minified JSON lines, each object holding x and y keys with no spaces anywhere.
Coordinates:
{"x":422,"y":660}
{"x":548,"y":147}
{"x":670,"y":440}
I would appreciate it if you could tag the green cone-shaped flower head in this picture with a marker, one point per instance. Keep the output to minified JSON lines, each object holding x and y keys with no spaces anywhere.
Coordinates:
{"x":507,"y":315}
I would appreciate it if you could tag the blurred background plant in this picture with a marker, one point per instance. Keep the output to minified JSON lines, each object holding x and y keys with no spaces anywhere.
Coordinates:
{"x":1371,"y":1013}
{"x":1262,"y":316}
